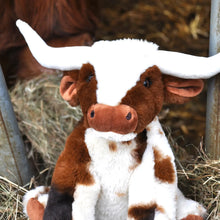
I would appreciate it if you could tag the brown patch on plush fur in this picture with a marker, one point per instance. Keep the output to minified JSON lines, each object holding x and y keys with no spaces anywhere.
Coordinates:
{"x":46,"y":190}
{"x":112,"y":146}
{"x":193,"y":217}
{"x":126,"y":142}
{"x":35,"y":209}
{"x":146,"y":101}
{"x":161,"y":132}
{"x":140,"y":212}
{"x":72,"y":165}
{"x":86,"y":88}
{"x":160,"y":209}
{"x":133,"y":167}
{"x":120,"y":194}
{"x":141,"y":141}
{"x":163,"y":167}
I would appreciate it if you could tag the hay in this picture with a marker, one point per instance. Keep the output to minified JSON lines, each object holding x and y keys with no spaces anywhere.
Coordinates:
{"x":200,"y":180}
{"x":11,"y":197}
{"x":44,"y":118}
{"x":198,"y":175}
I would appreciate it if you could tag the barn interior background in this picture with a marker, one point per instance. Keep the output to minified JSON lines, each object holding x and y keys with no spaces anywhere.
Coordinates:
{"x":174,"y":25}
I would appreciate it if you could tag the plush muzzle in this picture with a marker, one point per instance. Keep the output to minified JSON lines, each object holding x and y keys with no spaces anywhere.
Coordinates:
{"x":121,"y":119}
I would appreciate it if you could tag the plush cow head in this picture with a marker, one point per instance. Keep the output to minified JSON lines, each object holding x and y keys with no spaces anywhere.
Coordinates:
{"x":107,"y":108}
{"x":121,"y":85}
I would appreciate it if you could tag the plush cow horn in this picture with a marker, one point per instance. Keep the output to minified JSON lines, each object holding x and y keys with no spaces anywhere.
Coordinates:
{"x":187,"y":66}
{"x":63,"y":58}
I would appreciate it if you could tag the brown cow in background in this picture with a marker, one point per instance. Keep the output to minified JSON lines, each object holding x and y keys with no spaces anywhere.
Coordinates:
{"x":59,"y":23}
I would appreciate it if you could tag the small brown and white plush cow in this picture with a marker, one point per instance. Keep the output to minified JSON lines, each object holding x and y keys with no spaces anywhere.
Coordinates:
{"x":117,"y":163}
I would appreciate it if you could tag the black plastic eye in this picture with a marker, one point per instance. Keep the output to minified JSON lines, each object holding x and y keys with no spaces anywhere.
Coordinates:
{"x":89,"y":77}
{"x":147,"y":82}
{"x":92,"y":114}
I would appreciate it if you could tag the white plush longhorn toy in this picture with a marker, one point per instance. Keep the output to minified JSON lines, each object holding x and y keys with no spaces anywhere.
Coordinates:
{"x":117,"y":163}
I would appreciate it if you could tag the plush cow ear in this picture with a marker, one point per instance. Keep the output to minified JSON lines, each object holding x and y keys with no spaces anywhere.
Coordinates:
{"x":68,"y":88}
{"x":179,"y":90}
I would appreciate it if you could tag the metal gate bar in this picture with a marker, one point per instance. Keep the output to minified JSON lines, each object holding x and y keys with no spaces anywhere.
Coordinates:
{"x":212,"y":140}
{"x":14,"y":163}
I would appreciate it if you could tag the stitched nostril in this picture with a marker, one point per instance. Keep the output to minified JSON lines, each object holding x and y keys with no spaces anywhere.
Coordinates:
{"x":128,"y":117}
{"x":92,"y":114}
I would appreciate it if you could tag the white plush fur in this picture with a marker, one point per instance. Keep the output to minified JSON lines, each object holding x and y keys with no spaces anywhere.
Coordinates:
{"x":85,"y":201}
{"x":113,"y":169}
{"x":111,"y":136}
{"x":118,"y":66}
{"x":186,"y":207}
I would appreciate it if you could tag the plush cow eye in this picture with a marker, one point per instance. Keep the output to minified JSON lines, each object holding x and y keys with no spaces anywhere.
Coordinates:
{"x":89,"y":77}
{"x":147,"y":82}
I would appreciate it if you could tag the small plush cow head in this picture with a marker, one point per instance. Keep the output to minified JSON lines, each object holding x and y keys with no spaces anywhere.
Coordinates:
{"x":121,"y":85}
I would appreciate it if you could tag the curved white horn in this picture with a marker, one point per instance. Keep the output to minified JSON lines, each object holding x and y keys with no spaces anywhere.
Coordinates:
{"x":187,"y":66}
{"x":63,"y":58}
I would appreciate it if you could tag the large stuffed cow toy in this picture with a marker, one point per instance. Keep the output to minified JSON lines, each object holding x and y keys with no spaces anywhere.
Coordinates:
{"x":117,"y":163}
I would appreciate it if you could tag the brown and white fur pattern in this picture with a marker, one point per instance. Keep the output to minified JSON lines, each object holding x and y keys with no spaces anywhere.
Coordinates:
{"x":122,"y":187}
{"x":157,"y":189}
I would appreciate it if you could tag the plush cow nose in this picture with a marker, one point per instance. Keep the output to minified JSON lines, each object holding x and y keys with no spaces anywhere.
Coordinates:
{"x":121,"y":119}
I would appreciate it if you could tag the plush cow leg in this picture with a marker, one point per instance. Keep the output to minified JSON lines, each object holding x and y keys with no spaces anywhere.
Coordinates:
{"x":59,"y":205}
{"x":141,"y":204}
{"x":164,"y":171}
{"x":35,"y":209}
{"x":188,"y":209}
{"x":85,"y":198}
{"x":35,"y":201}
{"x":153,"y":184}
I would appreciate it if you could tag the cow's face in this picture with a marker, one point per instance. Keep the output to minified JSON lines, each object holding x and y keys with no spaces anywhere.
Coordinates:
{"x":116,"y":116}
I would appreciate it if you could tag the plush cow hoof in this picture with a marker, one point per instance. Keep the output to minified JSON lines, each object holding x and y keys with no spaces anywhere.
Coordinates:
{"x":35,"y":209}
{"x":193,"y":217}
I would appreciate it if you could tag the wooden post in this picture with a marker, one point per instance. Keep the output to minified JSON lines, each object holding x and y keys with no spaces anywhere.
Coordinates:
{"x":212,"y":140}
{"x":14,"y":163}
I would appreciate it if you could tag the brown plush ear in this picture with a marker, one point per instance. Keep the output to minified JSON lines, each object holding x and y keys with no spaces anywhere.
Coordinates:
{"x":179,"y":90}
{"x":68,"y":87}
